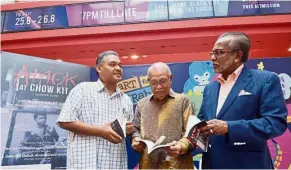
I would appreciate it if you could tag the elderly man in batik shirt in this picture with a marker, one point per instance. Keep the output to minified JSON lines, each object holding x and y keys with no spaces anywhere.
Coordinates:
{"x":165,"y":113}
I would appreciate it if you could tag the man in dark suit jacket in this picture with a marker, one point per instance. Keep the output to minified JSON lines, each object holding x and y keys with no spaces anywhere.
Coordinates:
{"x":243,"y":108}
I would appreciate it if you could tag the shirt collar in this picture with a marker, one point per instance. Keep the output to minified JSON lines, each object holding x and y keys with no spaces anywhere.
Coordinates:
{"x":231,"y":77}
{"x":101,"y":87}
{"x":171,"y":94}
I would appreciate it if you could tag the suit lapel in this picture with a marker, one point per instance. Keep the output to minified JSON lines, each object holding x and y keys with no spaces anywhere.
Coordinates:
{"x":240,"y":84}
{"x":214,"y":98}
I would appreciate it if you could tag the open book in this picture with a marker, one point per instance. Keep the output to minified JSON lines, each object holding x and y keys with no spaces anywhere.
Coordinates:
{"x":153,"y":146}
{"x":193,"y":133}
{"x":119,"y":127}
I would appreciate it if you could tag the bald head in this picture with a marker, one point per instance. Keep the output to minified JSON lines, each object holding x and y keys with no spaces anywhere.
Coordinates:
{"x":159,"y":69}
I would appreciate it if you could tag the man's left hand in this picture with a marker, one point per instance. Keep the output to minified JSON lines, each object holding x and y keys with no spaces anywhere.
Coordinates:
{"x":215,"y":127}
{"x":175,"y":149}
{"x":129,"y":127}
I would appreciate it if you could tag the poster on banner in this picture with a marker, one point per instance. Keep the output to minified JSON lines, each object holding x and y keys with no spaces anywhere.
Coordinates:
{"x":33,"y":91}
{"x":147,"y":10}
{"x":190,"y":9}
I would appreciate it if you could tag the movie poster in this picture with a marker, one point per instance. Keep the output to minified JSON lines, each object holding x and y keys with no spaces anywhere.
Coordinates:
{"x":33,"y":91}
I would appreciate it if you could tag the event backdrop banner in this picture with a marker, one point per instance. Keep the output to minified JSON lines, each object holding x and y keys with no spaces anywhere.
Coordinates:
{"x":33,"y":86}
{"x":33,"y":91}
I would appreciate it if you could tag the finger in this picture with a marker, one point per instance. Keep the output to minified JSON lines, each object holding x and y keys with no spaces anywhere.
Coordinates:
{"x":129,"y":126}
{"x":116,"y":138}
{"x":115,"y":135}
{"x":129,"y":123}
{"x":172,"y":143}
{"x":136,"y":139}
{"x":135,"y":143}
{"x":205,"y":128}
{"x":173,"y":148}
{"x":172,"y":153}
{"x":212,"y":121}
{"x":208,"y":132}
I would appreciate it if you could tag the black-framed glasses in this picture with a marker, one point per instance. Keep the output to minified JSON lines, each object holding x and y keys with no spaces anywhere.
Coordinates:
{"x":220,"y":52}
{"x":162,"y":81}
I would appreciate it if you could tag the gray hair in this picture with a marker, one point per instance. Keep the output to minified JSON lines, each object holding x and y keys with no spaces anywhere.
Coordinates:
{"x":239,"y":42}
{"x":104,"y":54}
{"x":159,"y":65}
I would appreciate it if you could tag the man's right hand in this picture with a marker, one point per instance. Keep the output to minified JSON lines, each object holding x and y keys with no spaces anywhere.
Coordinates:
{"x":137,"y":145}
{"x":109,"y":134}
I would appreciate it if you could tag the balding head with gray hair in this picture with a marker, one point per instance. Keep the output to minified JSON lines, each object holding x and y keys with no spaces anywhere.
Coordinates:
{"x":159,"y":66}
{"x":160,"y":79}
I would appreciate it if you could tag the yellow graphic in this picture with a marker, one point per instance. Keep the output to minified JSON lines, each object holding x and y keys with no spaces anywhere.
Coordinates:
{"x":198,"y":93}
{"x":289,"y":119}
{"x":261,"y":66}
{"x":129,"y":84}
{"x":144,"y":81}
{"x":190,"y":93}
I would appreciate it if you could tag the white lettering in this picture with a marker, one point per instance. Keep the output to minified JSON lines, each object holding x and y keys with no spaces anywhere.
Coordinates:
{"x":108,"y":14}
{"x":41,"y":88}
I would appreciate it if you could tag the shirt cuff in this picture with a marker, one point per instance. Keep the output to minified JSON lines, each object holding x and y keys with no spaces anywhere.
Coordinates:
{"x":186,"y":145}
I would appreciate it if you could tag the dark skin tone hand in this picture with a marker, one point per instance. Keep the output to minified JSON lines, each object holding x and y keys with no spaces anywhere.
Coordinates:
{"x":215,"y":127}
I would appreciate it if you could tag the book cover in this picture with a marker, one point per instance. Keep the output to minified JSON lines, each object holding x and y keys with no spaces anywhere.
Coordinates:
{"x":119,"y":128}
{"x":193,"y":133}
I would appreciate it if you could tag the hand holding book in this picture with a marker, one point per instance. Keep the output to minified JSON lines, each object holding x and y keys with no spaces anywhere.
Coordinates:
{"x":150,"y":145}
{"x":194,"y":135}
{"x":137,"y":145}
{"x":110,"y":134}
{"x":174,"y":149}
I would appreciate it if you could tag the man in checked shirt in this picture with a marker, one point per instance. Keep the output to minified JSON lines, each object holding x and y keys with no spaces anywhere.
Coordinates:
{"x":87,"y":113}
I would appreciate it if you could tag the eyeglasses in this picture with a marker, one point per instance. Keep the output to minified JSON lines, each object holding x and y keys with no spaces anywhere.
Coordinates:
{"x":218,"y":52}
{"x":162,"y":81}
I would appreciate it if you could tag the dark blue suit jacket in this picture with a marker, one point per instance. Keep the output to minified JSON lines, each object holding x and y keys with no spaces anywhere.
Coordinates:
{"x":252,"y":120}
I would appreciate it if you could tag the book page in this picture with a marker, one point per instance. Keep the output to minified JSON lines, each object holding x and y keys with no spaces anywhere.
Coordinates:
{"x":123,"y":127}
{"x":157,"y":147}
{"x":149,"y":143}
{"x":160,"y":140}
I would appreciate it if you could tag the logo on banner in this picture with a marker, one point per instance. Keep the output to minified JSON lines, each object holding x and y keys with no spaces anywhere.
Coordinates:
{"x":136,"y":88}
